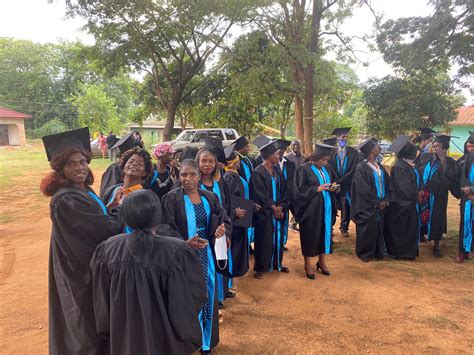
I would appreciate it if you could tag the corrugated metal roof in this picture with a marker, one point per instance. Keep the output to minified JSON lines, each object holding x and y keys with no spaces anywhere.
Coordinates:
{"x":465,"y":116}
{"x":7,"y":113}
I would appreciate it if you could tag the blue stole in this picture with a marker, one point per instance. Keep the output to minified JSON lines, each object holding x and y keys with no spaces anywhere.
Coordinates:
{"x":467,"y":228}
{"x":98,"y":200}
{"x":155,"y":176}
{"x":206,"y":326}
{"x":342,"y":172}
{"x":250,"y":230}
{"x":379,"y":184}
{"x":276,"y":225}
{"x":427,"y":176}
{"x":327,"y":206}
{"x":247,"y":166}
{"x":114,"y":193}
{"x":220,"y":277}
{"x":287,"y":217}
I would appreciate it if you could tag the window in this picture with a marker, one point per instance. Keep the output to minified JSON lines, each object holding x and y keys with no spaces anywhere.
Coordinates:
{"x":230,"y":134}
{"x":186,"y":136}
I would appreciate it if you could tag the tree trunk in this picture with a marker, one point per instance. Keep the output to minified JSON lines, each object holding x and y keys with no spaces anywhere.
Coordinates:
{"x":299,"y":118}
{"x":171,"y":113}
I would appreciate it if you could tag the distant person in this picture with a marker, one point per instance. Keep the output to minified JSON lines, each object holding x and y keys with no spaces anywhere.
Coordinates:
{"x":295,"y":153}
{"x":402,"y":226}
{"x":288,"y":170}
{"x":138,"y":138}
{"x":165,"y":172}
{"x":315,"y":209}
{"x":148,"y":287}
{"x":466,"y":170}
{"x":344,"y":164}
{"x":370,"y":195}
{"x":80,"y":221}
{"x":102,"y":140}
{"x":111,"y":140}
{"x":424,"y":141}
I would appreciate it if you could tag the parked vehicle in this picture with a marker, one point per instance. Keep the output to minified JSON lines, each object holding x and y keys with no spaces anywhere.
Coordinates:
{"x":384,"y":146}
{"x":196,"y":137}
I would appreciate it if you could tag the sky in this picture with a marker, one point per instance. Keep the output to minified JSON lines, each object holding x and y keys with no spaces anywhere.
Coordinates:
{"x":44,"y":22}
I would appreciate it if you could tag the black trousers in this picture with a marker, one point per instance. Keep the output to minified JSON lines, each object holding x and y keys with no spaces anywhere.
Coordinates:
{"x":344,"y":206}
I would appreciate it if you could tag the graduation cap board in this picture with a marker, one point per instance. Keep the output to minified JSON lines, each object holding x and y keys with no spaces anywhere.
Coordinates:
{"x":216,"y":146}
{"x":398,"y":144}
{"x":340,"y":131}
{"x":261,"y":140}
{"x":240,"y":142}
{"x":443,"y":139}
{"x":269,"y":148}
{"x":426,"y":130}
{"x":126,"y":142}
{"x":324,"y":149}
{"x":55,"y":144}
{"x":330,"y":141}
{"x":282,"y":144}
{"x":470,"y":139}
{"x":229,"y":151}
{"x":366,"y":146}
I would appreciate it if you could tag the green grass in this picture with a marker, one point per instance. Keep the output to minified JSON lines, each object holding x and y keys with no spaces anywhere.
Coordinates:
{"x":343,"y":249}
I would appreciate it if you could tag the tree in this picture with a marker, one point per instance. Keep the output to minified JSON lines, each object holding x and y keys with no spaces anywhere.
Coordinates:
{"x":397,"y":105}
{"x":97,"y":110}
{"x":418,"y":43}
{"x":170,"y":40}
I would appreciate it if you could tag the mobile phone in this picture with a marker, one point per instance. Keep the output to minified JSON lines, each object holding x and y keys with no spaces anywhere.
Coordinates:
{"x":200,"y":240}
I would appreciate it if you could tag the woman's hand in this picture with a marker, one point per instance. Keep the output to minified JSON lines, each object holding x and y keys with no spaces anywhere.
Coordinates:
{"x":323,"y":187}
{"x":240,"y":212}
{"x":257,"y":207}
{"x":466,"y":190}
{"x":420,"y":197}
{"x":382,"y":205}
{"x":220,"y":231}
{"x":196,"y":243}
{"x":118,"y":198}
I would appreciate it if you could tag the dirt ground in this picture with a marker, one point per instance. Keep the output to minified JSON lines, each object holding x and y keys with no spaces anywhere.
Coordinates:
{"x":424,"y":306}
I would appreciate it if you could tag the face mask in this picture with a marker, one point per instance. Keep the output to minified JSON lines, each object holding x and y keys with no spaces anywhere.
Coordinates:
{"x":342,"y":144}
{"x":220,"y":248}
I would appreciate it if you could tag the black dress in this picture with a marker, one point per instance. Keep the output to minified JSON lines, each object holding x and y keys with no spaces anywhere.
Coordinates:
{"x":315,"y":211}
{"x":240,"y":246}
{"x":402,"y":221}
{"x":436,"y":181}
{"x":162,"y":183}
{"x":344,"y":170}
{"x":148,"y":292}
{"x":113,"y":175}
{"x":267,"y":190}
{"x":367,"y":192}
{"x":466,"y":226}
{"x":181,"y":215}
{"x":79,"y":223}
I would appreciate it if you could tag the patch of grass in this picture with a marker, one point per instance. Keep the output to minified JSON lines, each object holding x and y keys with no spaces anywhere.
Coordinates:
{"x":441,"y":322}
{"x":342,"y":249}
{"x":4,"y":219}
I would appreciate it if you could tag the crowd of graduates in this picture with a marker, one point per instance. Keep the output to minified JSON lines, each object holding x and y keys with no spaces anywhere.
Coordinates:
{"x":145,"y":266}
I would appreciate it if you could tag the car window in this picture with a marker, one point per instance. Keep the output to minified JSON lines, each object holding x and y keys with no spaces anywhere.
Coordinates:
{"x":230,"y":134}
{"x":185,"y":136}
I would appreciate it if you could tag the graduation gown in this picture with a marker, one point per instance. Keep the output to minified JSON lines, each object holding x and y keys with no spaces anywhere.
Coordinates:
{"x":240,"y":247}
{"x":344,"y":171}
{"x":267,"y":190}
{"x":288,"y":171}
{"x":157,"y":290}
{"x":466,"y":178}
{"x":314,"y":211}
{"x":436,"y":180}
{"x":402,"y":221}
{"x":79,"y":223}
{"x":175,"y":215}
{"x":366,"y":195}
{"x":113,"y":175}
{"x":246,"y":167}
{"x":161,"y":184}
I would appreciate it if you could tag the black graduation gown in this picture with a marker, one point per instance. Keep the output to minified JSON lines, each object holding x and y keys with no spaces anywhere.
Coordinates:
{"x":161,"y":185}
{"x":466,"y":226}
{"x":78,"y":226}
{"x":174,"y":214}
{"x":368,"y":218}
{"x":444,"y":179}
{"x":401,"y":230}
{"x":309,"y":208}
{"x":269,"y":242}
{"x":246,"y":167}
{"x":240,"y":241}
{"x":113,"y":175}
{"x":157,"y":290}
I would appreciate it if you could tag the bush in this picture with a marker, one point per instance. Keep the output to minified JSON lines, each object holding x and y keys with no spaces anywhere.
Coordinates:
{"x":51,"y":127}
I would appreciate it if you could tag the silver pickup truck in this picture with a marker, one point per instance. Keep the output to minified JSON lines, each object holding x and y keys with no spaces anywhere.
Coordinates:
{"x":196,"y":137}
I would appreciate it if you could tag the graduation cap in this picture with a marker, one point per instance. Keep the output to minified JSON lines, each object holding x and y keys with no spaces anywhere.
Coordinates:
{"x":340,"y":131}
{"x":188,"y":153}
{"x":55,"y":144}
{"x":398,"y":144}
{"x":269,"y":148}
{"x":366,"y":146}
{"x":229,"y":152}
{"x":330,"y":141}
{"x":443,"y":139}
{"x":282,"y":144}
{"x":216,"y":146}
{"x":261,"y":140}
{"x":427,"y":131}
{"x":126,"y":142}
{"x":240,"y":142}
{"x":470,"y":139}
{"x":325,"y":150}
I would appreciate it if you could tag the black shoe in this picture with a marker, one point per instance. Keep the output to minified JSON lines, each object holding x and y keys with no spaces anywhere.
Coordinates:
{"x":285,"y":269}
{"x":285,"y":249}
{"x":344,"y":233}
{"x":311,"y":276}
{"x":423,"y":239}
{"x":220,"y":305}
{"x":258,"y":275}
{"x":437,"y":252}
{"x":365,"y":260}
{"x":319,"y":268}
{"x":230,"y":294}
